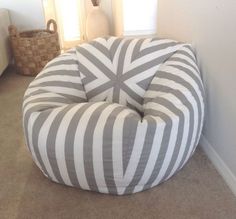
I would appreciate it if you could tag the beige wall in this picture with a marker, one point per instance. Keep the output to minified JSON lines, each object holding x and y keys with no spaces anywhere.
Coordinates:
{"x":210,"y":25}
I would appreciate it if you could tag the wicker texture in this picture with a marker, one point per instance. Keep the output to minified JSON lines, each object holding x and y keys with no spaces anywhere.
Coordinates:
{"x":33,"y":49}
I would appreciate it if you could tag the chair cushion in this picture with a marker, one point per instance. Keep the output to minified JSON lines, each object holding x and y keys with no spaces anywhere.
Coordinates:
{"x":119,"y":70}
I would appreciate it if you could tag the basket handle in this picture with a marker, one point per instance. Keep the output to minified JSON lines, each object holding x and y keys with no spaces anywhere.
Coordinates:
{"x":52,"y":22}
{"x":13,"y":31}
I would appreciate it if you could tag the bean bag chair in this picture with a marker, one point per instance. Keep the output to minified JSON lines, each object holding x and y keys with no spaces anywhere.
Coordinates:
{"x":115,"y":115}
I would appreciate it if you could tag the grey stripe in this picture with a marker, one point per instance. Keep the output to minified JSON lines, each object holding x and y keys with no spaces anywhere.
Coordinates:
{"x":63,"y":72}
{"x":39,"y":91}
{"x":138,"y":110}
{"x":66,"y":84}
{"x":100,"y":89}
{"x":114,"y":47}
{"x":132,"y":94}
{"x":63,"y":62}
{"x":101,"y":48}
{"x":88,"y":147}
{"x":98,"y":63}
{"x":180,"y":114}
{"x":156,"y":48}
{"x":129,"y":133}
{"x":186,"y":84}
{"x":35,"y":135}
{"x":49,"y":99}
{"x":89,"y":76}
{"x":27,"y":114}
{"x":150,"y":134}
{"x":70,"y":144}
{"x":181,"y":60}
{"x":136,"y":50}
{"x":191,"y":51}
{"x":192,"y":75}
{"x":155,"y":39}
{"x":51,"y":142}
{"x":106,"y":37}
{"x":145,"y":66}
{"x":144,"y":84}
{"x":107,"y":150}
{"x":182,"y":52}
{"x":185,"y":101}
{"x":75,"y":99}
{"x":71,"y":51}
{"x":164,"y":145}
{"x":120,"y":68}
{"x":25,"y":122}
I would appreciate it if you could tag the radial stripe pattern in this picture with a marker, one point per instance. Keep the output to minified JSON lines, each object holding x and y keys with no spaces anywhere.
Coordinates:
{"x":120,"y":71}
{"x":115,"y":116}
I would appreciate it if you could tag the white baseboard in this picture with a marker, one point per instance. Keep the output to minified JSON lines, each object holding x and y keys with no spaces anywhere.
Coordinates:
{"x":219,"y":164}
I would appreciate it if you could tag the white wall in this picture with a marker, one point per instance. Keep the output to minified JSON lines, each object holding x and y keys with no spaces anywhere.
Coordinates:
{"x":210,"y":26}
{"x":25,"y":14}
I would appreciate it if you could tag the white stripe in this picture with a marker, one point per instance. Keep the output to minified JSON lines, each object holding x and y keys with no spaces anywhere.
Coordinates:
{"x":189,"y":51}
{"x":191,"y":150}
{"x":117,"y":155}
{"x":56,"y":78}
{"x":153,"y":55}
{"x":98,"y":148}
{"x":188,"y":95}
{"x":182,"y":56}
{"x":172,"y":141}
{"x":110,"y":42}
{"x":187,"y":78}
{"x":42,"y":141}
{"x":153,"y":154}
{"x":39,"y":96}
{"x":79,"y":145}
{"x":102,"y":96}
{"x":63,"y":57}
{"x":99,"y":55}
{"x":58,"y":68}
{"x":124,"y":98}
{"x":60,"y":143}
{"x":135,"y":154}
{"x":47,"y":105}
{"x":117,"y":55}
{"x":64,"y":90}
{"x":57,"y":91}
{"x":29,"y":129}
{"x":147,"y":43}
{"x":30,"y":90}
{"x":185,"y":66}
{"x":101,"y":78}
{"x":133,"y":81}
{"x":175,"y":85}
{"x":183,"y":145}
{"x":128,"y":54}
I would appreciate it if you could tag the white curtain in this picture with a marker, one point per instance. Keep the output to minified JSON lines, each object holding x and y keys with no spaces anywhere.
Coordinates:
{"x":135,"y":17}
{"x":70,"y":17}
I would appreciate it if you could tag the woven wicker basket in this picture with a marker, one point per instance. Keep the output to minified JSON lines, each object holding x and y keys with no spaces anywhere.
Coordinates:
{"x":33,"y":49}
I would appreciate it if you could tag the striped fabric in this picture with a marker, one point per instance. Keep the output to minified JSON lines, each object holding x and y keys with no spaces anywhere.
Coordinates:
{"x":119,"y":70}
{"x":107,"y":146}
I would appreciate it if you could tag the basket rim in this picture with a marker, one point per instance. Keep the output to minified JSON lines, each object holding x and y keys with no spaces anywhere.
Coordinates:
{"x":51,"y":33}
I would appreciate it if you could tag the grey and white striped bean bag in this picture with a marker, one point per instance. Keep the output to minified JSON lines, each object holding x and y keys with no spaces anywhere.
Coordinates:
{"x":115,"y":115}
